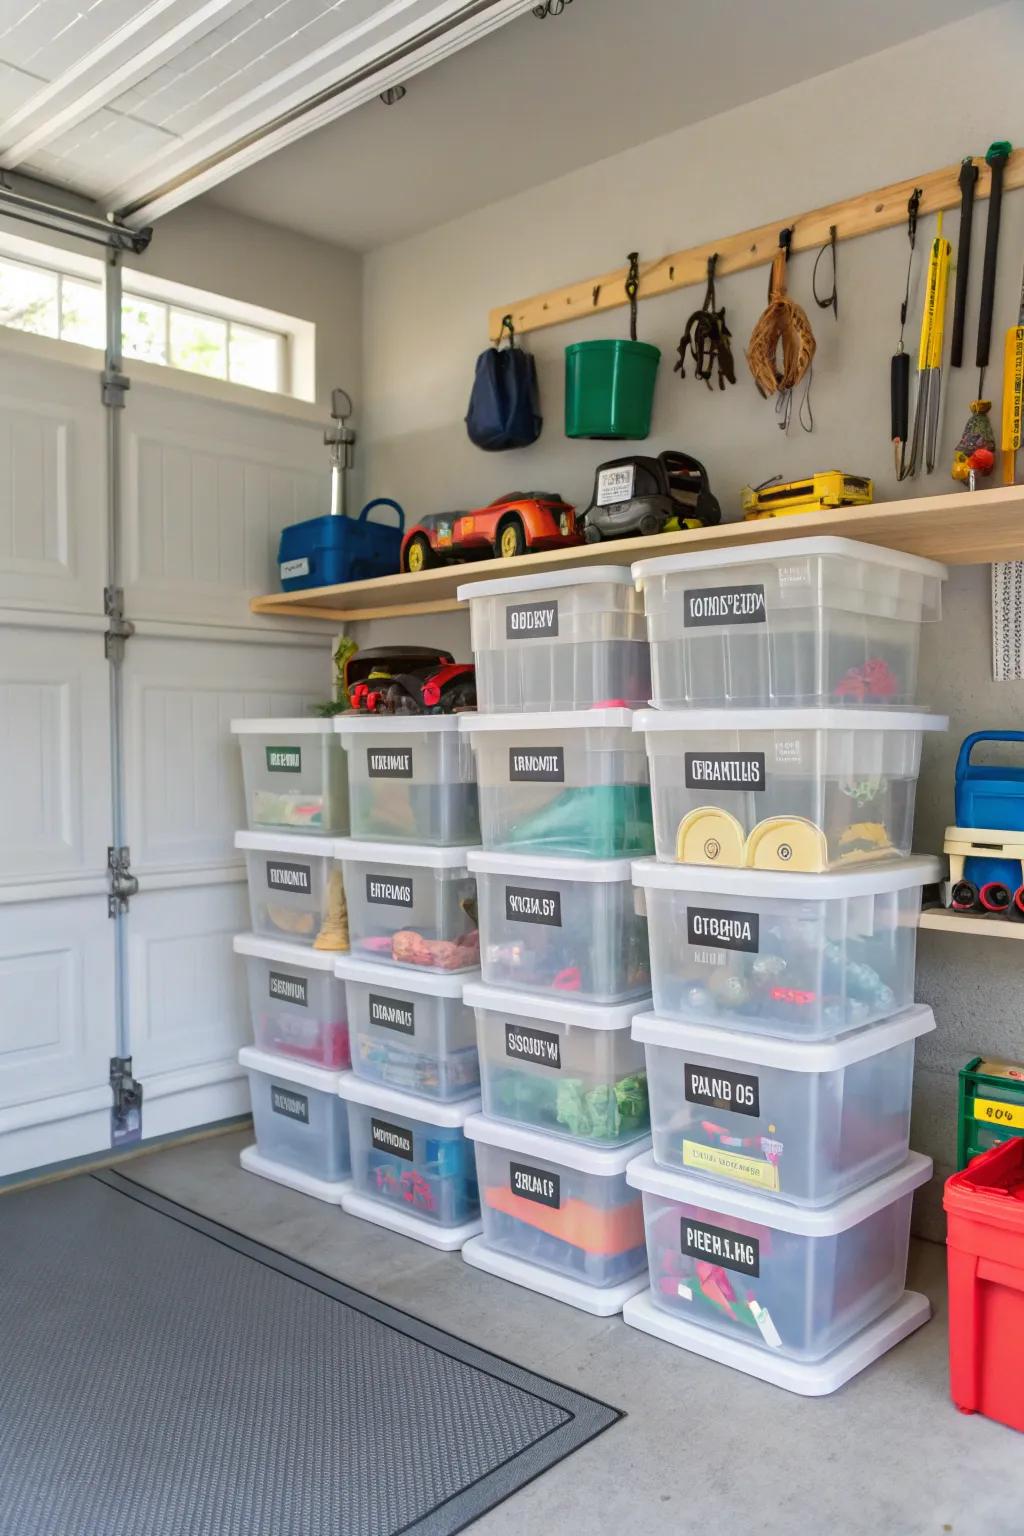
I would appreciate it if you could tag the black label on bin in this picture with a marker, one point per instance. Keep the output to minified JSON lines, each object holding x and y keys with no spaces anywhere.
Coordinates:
{"x":531,"y":621}
{"x":389,"y":762}
{"x":389,"y":1013}
{"x":537,"y":1045}
{"x":523,"y":906}
{"x":536,"y":765}
{"x":711,"y":927}
{"x":706,"y":606}
{"x":535,"y":1184}
{"x":718,"y":1089}
{"x":391,"y":1138}
{"x":388,"y":891}
{"x":723,"y":770}
{"x":285,"y":1101}
{"x":289,"y":989}
{"x":284,"y":759}
{"x":289,"y":877}
{"x":732,"y":1250}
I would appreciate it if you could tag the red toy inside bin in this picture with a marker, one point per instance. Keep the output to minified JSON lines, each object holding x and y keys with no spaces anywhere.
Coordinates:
{"x":985,"y":1246}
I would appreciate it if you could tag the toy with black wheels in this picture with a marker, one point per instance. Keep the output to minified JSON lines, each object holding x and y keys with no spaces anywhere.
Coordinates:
{"x":994,"y":896}
{"x":964,"y":896}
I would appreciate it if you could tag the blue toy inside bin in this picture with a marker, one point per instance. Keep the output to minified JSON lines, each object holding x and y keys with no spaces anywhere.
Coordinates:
{"x":327,"y":551}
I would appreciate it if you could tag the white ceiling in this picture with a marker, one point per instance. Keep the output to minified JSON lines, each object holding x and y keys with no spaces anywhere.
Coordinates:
{"x":541,"y":97}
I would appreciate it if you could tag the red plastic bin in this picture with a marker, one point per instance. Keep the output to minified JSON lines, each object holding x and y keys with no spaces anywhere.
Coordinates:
{"x":985,"y":1252}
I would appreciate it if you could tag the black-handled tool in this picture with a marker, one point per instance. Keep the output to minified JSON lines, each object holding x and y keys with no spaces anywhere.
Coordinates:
{"x":968,"y":179}
{"x":997,"y":157}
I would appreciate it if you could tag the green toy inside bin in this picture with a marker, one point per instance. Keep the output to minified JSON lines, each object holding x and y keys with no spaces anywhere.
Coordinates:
{"x":609,"y":387}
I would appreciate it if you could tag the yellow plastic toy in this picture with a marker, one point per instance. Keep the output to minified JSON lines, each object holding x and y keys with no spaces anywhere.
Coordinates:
{"x":787,"y":842}
{"x":710,"y":836}
{"x":815,"y":493}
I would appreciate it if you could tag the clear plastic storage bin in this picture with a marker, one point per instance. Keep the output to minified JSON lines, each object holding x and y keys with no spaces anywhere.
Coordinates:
{"x":807,"y":1123}
{"x":563,"y":926}
{"x":784,"y":789}
{"x":295,"y":889}
{"x":783,"y":1278}
{"x":411,"y":1033}
{"x":565,"y":1068}
{"x":295,"y":776}
{"x":812,"y":621}
{"x":297,"y":1003}
{"x":299,"y":1120}
{"x":559,"y":1206}
{"x":558,"y":642}
{"x":801,"y":956}
{"x":412,"y":779}
{"x":411,"y":906}
{"x":571,"y":783}
{"x":411,"y":1156}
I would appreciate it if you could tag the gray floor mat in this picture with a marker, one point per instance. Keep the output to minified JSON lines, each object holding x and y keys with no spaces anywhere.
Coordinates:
{"x":161,"y":1375}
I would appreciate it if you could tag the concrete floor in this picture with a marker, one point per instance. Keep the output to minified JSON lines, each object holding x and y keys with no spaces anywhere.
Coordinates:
{"x":703,"y":1449}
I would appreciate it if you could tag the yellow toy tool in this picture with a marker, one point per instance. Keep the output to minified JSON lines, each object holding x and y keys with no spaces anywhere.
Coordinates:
{"x":831,"y":488}
{"x":929,"y":355}
{"x":1013,"y":394}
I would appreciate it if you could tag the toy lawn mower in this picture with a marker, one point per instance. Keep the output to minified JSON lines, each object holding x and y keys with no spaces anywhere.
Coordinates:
{"x":644,"y":495}
{"x":409,"y":680}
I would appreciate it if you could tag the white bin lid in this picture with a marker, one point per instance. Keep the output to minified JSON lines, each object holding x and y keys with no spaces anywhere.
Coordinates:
{"x":418,"y":855}
{"x":306,"y":726}
{"x":787,"y":549}
{"x":613,"y":718}
{"x":606,"y":1161}
{"x":428,"y":983}
{"x":822,"y":1221}
{"x":299,"y":955}
{"x":451,"y":1116}
{"x":359,"y":724}
{"x":787,"y":1055}
{"x":288,"y":1071}
{"x":590,"y":871}
{"x":555,"y":1008}
{"x":287,"y":842}
{"x":835,"y":885}
{"x":577,"y":576}
{"x":651,"y":720}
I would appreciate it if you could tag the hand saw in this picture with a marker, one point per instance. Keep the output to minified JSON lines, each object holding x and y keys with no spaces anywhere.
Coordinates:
{"x":1013,"y":393}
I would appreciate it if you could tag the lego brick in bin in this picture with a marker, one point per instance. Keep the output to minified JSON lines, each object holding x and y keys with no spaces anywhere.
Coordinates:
{"x":328,"y":551}
{"x":411,"y":905}
{"x":412,"y":779}
{"x":410,"y":1154}
{"x":781,"y":1277}
{"x":296,"y":1003}
{"x":412,"y":1033}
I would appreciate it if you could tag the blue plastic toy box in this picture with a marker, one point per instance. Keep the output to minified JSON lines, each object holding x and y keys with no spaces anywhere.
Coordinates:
{"x":326,"y":551}
{"x":990,"y":796}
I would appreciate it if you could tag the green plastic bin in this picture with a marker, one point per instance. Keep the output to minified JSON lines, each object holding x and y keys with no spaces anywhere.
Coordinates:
{"x":991,"y":1107}
{"x":609,"y":387}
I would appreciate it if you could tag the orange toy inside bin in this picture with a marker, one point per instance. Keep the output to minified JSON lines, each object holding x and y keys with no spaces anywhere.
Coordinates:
{"x":985,"y":1249}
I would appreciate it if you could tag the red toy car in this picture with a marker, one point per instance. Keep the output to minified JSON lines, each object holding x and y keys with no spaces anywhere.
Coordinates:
{"x":509,"y":526}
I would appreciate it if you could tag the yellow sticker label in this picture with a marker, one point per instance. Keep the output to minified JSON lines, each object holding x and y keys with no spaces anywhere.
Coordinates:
{"x":994,"y":1112}
{"x":731,"y":1165}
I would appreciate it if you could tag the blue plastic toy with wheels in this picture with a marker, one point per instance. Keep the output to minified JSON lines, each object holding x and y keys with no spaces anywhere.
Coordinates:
{"x":986,"y":847}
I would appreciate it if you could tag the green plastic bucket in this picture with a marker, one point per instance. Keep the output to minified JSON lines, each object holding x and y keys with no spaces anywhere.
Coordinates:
{"x":609,"y":387}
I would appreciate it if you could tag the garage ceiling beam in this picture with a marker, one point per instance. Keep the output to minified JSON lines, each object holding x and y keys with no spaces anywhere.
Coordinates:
{"x":159,"y":31}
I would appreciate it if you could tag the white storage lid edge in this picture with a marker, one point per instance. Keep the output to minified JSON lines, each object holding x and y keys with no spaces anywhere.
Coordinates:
{"x":592,"y":871}
{"x":303,"y":726}
{"x":682,"y":720}
{"x":824,"y":1221}
{"x":288,"y":1071}
{"x":299,"y":955}
{"x":399,"y":978}
{"x":354,"y":850}
{"x":787,"y":549}
{"x":871,"y":879}
{"x":357,"y":1090}
{"x":606,"y":1161}
{"x":576,"y":576}
{"x":610,"y":717}
{"x":787,"y":1055}
{"x":359,"y":724}
{"x":555,"y":1009}
{"x":286,"y":842}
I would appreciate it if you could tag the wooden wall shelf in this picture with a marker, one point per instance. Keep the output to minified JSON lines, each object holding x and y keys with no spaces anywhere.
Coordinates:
{"x":982,"y":924}
{"x":957,"y":527}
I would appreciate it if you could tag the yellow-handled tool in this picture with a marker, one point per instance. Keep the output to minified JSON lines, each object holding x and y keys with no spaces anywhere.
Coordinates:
{"x":929,"y":354}
{"x":1013,"y":394}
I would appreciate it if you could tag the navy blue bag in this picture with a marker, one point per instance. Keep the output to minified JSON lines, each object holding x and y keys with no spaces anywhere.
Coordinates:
{"x":504,"y":408}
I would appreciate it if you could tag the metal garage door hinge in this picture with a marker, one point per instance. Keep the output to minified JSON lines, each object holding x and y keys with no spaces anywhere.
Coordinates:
{"x":126,"y":1110}
{"x":120,"y":629}
{"x":115,"y":385}
{"x":123,"y":884}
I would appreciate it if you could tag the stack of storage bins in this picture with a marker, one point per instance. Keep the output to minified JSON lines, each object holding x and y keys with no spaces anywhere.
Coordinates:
{"x":414,"y":947}
{"x":296,"y":795}
{"x":783,"y":904}
{"x":561,"y":662}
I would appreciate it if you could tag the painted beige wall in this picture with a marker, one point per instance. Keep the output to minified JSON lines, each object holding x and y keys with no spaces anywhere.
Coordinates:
{"x":425,"y":313}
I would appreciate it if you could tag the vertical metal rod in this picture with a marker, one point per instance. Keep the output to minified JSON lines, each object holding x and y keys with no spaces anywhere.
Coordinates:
{"x":112,"y":311}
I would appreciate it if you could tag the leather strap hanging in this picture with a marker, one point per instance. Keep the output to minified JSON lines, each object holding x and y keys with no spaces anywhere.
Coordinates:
{"x":632,"y":288}
{"x":709,"y":339}
{"x":783,"y":325}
